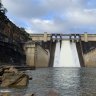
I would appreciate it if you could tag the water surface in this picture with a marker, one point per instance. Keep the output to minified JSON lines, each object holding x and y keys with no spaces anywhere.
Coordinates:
{"x":67,"y":82}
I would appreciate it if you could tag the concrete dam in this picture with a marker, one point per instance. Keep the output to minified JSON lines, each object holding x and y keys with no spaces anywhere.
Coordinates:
{"x":61,"y":50}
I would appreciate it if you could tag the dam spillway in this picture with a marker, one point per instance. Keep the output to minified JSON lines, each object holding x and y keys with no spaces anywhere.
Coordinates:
{"x":67,"y":56}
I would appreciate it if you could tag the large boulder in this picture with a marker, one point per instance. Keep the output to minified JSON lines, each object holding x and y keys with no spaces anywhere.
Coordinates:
{"x":14,"y":78}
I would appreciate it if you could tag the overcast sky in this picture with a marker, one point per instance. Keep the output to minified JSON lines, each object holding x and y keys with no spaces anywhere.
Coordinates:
{"x":53,"y":16}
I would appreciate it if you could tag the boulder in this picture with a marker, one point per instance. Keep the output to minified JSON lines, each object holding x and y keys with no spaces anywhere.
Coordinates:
{"x":5,"y":94}
{"x":14,"y":80}
{"x":30,"y":94}
{"x":53,"y":92}
{"x":10,"y":69}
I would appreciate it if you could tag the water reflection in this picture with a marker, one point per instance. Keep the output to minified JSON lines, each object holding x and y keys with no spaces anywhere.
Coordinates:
{"x":69,"y":79}
{"x":66,"y":81}
{"x":87,"y":82}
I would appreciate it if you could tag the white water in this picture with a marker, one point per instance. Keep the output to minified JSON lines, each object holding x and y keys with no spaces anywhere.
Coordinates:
{"x":75,"y":54}
{"x":68,"y":55}
{"x":57,"y":55}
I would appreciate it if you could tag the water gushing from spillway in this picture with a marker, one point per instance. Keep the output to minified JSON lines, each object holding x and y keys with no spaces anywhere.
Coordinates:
{"x":75,"y":54}
{"x":57,"y":55}
{"x":67,"y":56}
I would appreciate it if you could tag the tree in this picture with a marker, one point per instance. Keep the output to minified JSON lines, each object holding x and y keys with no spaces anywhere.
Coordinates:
{"x":2,"y":9}
{"x":22,"y":29}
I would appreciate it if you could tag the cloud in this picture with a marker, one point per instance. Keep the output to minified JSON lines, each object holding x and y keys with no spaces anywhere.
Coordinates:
{"x":51,"y":26}
{"x":84,"y":17}
{"x":53,"y":16}
{"x":29,"y":30}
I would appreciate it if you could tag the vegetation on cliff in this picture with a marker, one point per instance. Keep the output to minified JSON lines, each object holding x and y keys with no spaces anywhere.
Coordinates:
{"x":2,"y":9}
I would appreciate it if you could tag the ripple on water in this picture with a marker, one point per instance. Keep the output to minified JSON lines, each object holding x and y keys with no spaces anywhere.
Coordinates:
{"x":67,"y":82}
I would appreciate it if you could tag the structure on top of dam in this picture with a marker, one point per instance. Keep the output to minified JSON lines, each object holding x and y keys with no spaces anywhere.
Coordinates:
{"x":56,"y":36}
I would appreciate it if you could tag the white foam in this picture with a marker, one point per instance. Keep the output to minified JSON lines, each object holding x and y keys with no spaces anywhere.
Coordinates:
{"x":68,"y":55}
{"x":57,"y":55}
{"x":4,"y":90}
{"x":75,"y":54}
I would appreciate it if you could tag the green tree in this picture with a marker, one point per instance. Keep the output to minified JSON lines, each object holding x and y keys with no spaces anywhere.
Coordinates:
{"x":22,"y":29}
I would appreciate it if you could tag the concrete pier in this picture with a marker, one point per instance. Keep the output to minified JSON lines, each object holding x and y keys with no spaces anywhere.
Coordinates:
{"x":30,"y":53}
{"x":36,"y":56}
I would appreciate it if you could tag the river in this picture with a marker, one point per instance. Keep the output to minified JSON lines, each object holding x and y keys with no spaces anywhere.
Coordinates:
{"x":66,"y":81}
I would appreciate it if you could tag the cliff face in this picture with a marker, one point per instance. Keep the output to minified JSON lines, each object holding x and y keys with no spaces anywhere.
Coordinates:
{"x":10,"y":30}
{"x":12,"y":39}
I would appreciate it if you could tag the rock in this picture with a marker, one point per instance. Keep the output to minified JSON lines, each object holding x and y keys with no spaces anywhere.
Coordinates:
{"x":11,"y":69}
{"x":30,"y":94}
{"x":30,"y":78}
{"x":1,"y":71}
{"x":53,"y":92}
{"x":14,"y":78}
{"x":5,"y":94}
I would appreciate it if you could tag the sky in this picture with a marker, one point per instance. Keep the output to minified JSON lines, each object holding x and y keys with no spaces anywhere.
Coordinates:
{"x":53,"y":16}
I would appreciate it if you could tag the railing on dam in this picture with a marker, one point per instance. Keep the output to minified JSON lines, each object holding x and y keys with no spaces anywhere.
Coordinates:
{"x":71,"y":37}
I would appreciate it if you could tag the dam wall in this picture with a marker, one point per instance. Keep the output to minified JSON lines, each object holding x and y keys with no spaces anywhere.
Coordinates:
{"x":64,"y":50}
{"x":90,"y":58}
{"x":42,"y":57}
{"x":36,"y":56}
